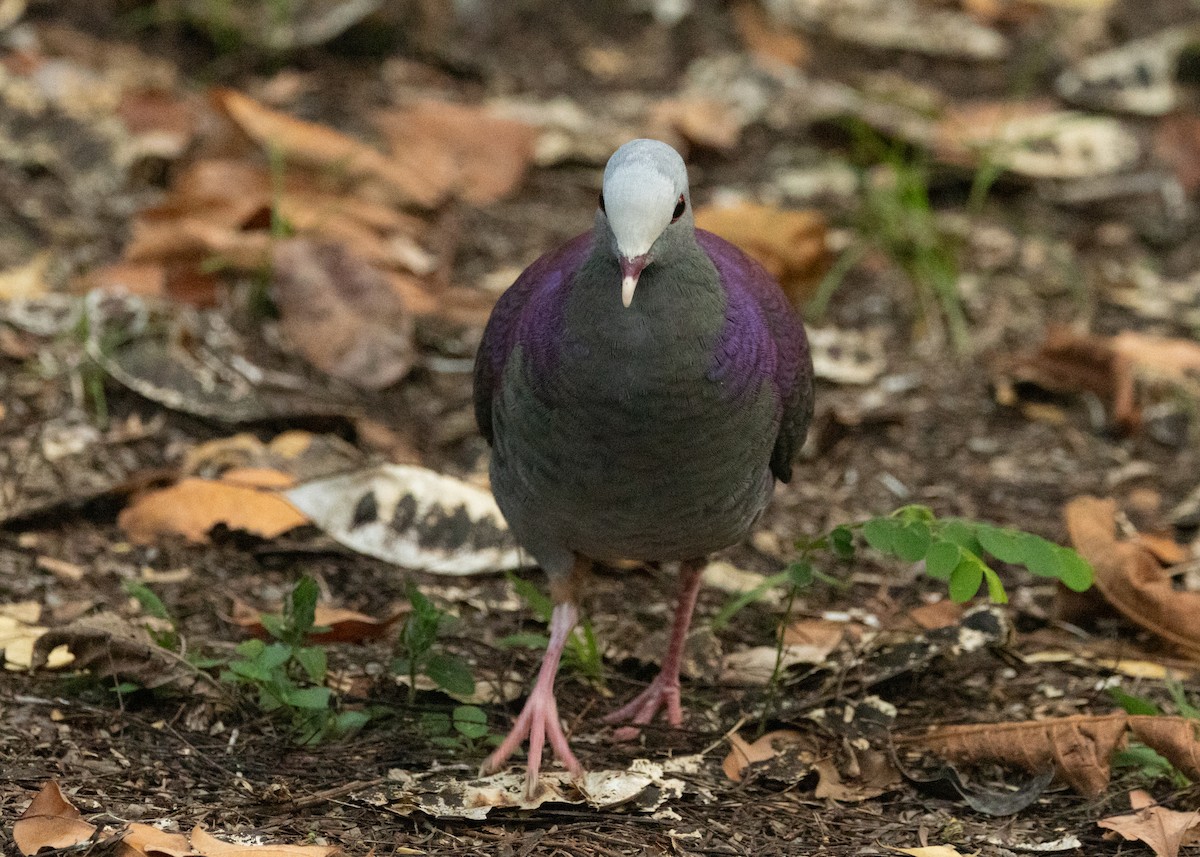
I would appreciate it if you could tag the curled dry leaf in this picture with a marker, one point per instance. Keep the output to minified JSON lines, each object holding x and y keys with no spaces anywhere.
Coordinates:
{"x":412,"y":517}
{"x":1078,"y":747}
{"x":240,"y":499}
{"x":1164,"y":830}
{"x":18,"y":635}
{"x":146,"y":840}
{"x":205,"y":844}
{"x":50,"y":821}
{"x":317,"y":146}
{"x":789,"y":244}
{"x":342,"y":314}
{"x":1130,"y":577}
{"x":1036,"y":140}
{"x":463,"y":150}
{"x":345,"y":626}
{"x":743,"y":754}
{"x":114,"y":647}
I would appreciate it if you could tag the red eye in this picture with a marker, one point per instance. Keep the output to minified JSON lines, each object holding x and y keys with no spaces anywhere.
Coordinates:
{"x":679,"y":207}
{"x":602,"y":202}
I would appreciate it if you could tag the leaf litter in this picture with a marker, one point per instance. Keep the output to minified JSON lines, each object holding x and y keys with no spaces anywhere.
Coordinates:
{"x":207,"y":240}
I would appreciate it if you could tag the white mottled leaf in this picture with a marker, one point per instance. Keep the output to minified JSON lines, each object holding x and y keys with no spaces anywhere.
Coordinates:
{"x":413,"y":517}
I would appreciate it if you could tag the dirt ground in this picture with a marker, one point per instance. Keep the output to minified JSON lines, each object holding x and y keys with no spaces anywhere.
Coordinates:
{"x":931,"y":429}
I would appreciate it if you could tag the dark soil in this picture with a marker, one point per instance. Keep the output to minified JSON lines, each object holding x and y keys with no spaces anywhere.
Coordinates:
{"x":933,"y":433}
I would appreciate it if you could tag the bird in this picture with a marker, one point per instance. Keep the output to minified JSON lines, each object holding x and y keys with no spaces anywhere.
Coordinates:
{"x":642,"y":389}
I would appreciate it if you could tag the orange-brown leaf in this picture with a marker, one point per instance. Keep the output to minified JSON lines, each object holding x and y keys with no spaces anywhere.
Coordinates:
{"x":1164,"y":830}
{"x":743,"y":754}
{"x":1130,"y":577}
{"x":209,"y":846}
{"x":50,"y":821}
{"x":192,"y":507}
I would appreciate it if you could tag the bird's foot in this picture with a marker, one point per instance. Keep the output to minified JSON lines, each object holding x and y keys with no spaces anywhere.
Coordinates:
{"x":664,"y":690}
{"x":538,"y":722}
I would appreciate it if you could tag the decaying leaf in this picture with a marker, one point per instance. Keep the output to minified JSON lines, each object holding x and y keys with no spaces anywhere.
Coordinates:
{"x":463,"y":150}
{"x":1164,"y":830}
{"x":27,"y":280}
{"x":754,"y":667}
{"x":19,"y":632}
{"x":1078,"y":747}
{"x":789,"y":244}
{"x":114,"y":647}
{"x":1130,"y":577}
{"x":764,"y":38}
{"x":318,"y":146}
{"x":413,"y":517}
{"x":1112,"y":368}
{"x":146,"y":840}
{"x":643,"y":787}
{"x":1138,"y":77}
{"x":204,"y":844}
{"x":1035,"y":140}
{"x":50,"y":821}
{"x":743,"y":754}
{"x":345,"y":626}
{"x":239,"y":499}
{"x":847,"y":356}
{"x":342,"y":314}
{"x":300,"y":454}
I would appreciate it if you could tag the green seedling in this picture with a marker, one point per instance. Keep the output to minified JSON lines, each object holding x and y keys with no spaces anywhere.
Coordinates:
{"x":465,"y":727}
{"x":1145,"y":762}
{"x":419,"y":653}
{"x":582,"y":652}
{"x":289,"y":676}
{"x":952,"y":550}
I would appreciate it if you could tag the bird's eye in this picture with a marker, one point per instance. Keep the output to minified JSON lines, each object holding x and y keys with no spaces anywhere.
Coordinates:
{"x":679,"y":207}
{"x":602,"y":202}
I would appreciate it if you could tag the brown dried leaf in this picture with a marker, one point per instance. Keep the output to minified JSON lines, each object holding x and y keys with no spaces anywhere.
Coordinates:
{"x":1176,"y":739}
{"x":1068,"y":362}
{"x":1130,"y":577}
{"x":1164,"y":830}
{"x":208,"y":845}
{"x":341,"y":313}
{"x":192,"y":507}
{"x":462,"y":150}
{"x":146,"y":840}
{"x":818,"y":636}
{"x":1079,"y":747}
{"x":1177,"y":144}
{"x":743,"y":754}
{"x":765,"y":39}
{"x":789,"y":244}
{"x":50,"y":821}
{"x":408,"y":180}
{"x":112,"y":646}
{"x":703,"y":121}
{"x":345,"y":626}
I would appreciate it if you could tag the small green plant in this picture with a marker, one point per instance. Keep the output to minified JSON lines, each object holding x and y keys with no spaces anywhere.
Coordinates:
{"x":896,"y":217}
{"x":289,"y":675}
{"x":1146,"y":762}
{"x":582,"y":652}
{"x":953,"y":550}
{"x":418,"y":654}
{"x":463,"y":727}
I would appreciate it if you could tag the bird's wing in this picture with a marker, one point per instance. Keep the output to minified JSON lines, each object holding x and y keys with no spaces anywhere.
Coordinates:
{"x":525,"y":313}
{"x":756,"y":301}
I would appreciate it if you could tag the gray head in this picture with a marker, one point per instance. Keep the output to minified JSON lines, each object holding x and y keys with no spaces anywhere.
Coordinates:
{"x":645,"y":208}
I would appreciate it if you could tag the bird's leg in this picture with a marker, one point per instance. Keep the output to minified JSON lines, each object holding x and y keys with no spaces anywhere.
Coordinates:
{"x":664,"y":690}
{"x":538,"y":720}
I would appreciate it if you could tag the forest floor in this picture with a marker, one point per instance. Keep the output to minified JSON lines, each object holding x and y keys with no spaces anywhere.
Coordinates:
{"x":883,"y":162}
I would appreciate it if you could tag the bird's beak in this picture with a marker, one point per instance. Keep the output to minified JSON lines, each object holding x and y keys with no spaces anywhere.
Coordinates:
{"x":631,"y":269}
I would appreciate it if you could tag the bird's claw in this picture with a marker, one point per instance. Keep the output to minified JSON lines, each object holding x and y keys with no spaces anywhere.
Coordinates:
{"x":641,"y":709}
{"x":539,"y":723}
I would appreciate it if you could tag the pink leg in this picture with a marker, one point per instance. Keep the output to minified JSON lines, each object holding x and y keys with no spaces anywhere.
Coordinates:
{"x":538,"y":720}
{"x":664,"y":690}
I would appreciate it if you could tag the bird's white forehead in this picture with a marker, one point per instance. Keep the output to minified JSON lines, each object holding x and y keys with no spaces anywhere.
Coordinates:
{"x":642,"y":183}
